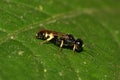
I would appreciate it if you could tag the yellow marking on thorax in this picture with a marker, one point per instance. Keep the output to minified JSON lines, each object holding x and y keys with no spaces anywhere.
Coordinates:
{"x":50,"y":37}
{"x":46,"y":35}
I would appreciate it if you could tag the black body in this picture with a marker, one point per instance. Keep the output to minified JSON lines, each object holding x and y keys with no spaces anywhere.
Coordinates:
{"x":69,"y":42}
{"x":68,"y":39}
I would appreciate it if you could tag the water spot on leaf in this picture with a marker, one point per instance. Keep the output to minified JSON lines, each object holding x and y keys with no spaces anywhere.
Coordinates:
{"x":11,"y":37}
{"x":20,"y":53}
{"x":79,"y":78}
{"x":61,"y":73}
{"x":40,"y":8}
{"x":116,"y":32}
{"x":84,"y":62}
{"x":45,"y":70}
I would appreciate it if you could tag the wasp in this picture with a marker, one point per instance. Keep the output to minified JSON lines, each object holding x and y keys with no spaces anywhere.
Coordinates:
{"x":60,"y":39}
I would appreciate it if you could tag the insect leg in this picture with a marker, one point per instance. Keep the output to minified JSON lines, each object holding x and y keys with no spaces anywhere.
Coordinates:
{"x":74,"y":47}
{"x":47,"y":40}
{"x":61,"y":45}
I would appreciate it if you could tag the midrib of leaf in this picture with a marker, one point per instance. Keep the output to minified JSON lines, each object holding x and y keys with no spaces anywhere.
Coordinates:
{"x":50,"y":20}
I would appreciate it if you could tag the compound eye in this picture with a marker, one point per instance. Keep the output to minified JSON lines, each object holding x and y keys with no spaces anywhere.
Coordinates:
{"x":40,"y":35}
{"x":79,"y":44}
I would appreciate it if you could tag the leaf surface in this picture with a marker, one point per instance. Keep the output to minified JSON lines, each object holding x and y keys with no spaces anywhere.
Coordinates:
{"x":22,"y":57}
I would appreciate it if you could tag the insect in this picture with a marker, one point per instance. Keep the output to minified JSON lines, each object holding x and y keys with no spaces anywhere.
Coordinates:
{"x":60,"y":39}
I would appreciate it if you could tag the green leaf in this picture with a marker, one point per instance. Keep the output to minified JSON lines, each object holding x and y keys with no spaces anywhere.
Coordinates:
{"x":22,"y":57}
